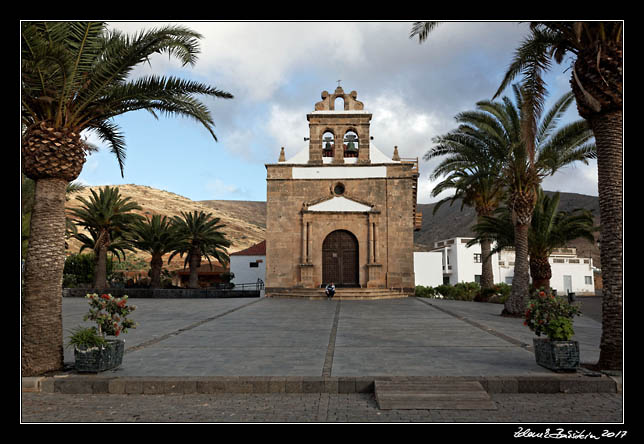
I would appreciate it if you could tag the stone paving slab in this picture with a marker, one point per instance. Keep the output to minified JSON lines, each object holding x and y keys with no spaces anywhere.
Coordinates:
{"x":326,"y":341}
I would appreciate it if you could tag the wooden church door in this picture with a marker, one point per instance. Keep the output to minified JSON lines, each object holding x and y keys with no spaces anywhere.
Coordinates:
{"x":340,"y":259}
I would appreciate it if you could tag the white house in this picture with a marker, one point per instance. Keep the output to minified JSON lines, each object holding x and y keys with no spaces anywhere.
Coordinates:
{"x":569,"y":272}
{"x":458,"y":263}
{"x":249,"y":265}
{"x":428,"y":268}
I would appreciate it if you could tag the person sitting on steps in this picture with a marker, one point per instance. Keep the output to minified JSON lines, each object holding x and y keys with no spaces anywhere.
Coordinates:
{"x":330,"y":290}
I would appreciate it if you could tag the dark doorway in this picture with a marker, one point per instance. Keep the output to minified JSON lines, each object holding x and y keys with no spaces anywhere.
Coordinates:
{"x":340,"y":259}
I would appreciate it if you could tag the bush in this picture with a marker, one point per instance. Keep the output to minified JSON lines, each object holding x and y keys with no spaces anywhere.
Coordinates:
{"x":497,"y":294}
{"x":424,"y":292}
{"x":550,"y":316}
{"x":78,"y":270}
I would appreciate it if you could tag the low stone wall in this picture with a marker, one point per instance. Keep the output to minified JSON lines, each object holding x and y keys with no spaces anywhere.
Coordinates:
{"x":170,"y":293}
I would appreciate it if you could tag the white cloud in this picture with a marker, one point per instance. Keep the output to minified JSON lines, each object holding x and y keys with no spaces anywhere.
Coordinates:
{"x":219,"y":190}
{"x":287,"y":127}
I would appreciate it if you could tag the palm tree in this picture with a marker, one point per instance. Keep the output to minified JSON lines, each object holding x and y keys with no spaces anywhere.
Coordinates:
{"x":27,"y":203}
{"x":74,"y":78}
{"x":555,"y":146}
{"x":200,"y":237}
{"x":117,"y":247}
{"x":549,"y":229}
{"x":108,"y":217}
{"x":596,"y":80}
{"x":552,"y":148}
{"x":156,"y":235}
{"x":473,"y":170}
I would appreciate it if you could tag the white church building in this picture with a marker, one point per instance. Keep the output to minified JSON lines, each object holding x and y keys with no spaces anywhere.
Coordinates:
{"x":451,"y":261}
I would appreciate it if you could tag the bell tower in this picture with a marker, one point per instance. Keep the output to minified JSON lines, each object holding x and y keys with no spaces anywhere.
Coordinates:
{"x":340,"y":210}
{"x":339,"y":133}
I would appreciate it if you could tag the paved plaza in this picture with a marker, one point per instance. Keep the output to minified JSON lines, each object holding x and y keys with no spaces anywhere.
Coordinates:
{"x":286,"y":338}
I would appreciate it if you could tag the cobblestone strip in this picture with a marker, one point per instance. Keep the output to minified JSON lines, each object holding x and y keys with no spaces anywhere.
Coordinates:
{"x":328,"y":360}
{"x":485,"y":328}
{"x":323,"y":408}
{"x":189,"y":327}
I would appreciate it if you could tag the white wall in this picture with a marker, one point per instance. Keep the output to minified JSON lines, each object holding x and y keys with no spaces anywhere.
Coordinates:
{"x":464,"y":269}
{"x":428,"y":268}
{"x":244,"y":273}
{"x":577,"y":273}
{"x":461,"y":260}
{"x":571,"y":266}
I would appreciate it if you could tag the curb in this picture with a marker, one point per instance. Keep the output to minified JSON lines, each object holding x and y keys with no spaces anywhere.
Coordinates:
{"x":94,"y":384}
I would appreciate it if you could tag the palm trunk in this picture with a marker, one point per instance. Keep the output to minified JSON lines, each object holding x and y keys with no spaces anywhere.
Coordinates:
{"x":607,"y":129}
{"x":195,"y":261}
{"x":42,"y":322}
{"x":541,"y":272}
{"x":487,"y":274}
{"x":516,"y":302}
{"x":155,"y":271}
{"x":100,"y":271}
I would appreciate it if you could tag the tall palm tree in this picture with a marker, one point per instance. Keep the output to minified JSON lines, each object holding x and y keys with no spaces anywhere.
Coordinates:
{"x":473,"y":168}
{"x":156,"y":235}
{"x":597,"y":81}
{"x":596,"y":50}
{"x":549,"y":229}
{"x":555,"y":145}
{"x":552,"y":147}
{"x":74,"y":78}
{"x":108,"y":217}
{"x":200,"y":236}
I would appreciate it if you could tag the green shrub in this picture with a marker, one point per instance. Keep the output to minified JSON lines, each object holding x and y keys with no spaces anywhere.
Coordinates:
{"x":550,"y":316}
{"x":466,"y":291}
{"x":424,"y":292}
{"x":85,"y":338}
{"x":79,"y":270}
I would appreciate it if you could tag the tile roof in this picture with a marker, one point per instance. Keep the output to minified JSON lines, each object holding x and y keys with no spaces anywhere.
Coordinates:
{"x":255,"y":250}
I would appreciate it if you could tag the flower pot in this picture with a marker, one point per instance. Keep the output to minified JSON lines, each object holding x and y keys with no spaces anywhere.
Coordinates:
{"x":559,"y":356}
{"x":99,"y":359}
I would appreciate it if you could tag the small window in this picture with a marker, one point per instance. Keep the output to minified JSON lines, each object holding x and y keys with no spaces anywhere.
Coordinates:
{"x":254,"y":264}
{"x":588,"y":280}
{"x":477,"y":258}
{"x":339,"y":189}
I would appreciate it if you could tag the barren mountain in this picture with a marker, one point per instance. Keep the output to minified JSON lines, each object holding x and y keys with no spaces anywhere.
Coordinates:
{"x":243,"y":227}
{"x":451,"y":221}
{"x":246,"y":220}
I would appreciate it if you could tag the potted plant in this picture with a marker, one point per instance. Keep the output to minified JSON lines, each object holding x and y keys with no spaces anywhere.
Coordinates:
{"x":553,"y":317}
{"x":93,"y":351}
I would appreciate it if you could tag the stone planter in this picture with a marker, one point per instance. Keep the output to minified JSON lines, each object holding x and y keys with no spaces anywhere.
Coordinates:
{"x":99,"y":359}
{"x":559,"y":356}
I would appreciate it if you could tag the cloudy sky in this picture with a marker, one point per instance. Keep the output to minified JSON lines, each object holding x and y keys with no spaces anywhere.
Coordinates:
{"x":277,"y":71}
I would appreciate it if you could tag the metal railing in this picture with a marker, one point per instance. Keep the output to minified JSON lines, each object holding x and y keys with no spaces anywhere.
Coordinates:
{"x":258,"y":286}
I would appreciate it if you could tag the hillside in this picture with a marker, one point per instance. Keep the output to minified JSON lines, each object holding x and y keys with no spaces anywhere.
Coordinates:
{"x":240,"y":228}
{"x":246,"y":220}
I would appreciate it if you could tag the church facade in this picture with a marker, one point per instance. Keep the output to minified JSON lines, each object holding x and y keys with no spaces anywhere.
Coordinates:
{"x":340,"y":210}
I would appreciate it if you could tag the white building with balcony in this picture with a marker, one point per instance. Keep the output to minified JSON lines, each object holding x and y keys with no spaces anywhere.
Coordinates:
{"x":458,"y":263}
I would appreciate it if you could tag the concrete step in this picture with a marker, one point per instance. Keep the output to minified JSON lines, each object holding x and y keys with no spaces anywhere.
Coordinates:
{"x":340,"y":294}
{"x":437,"y":395}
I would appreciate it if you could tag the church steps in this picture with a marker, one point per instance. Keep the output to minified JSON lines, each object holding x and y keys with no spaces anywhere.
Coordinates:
{"x":340,"y":294}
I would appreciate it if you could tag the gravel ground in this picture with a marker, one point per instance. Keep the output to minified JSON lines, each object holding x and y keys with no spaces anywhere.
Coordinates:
{"x":320,"y":408}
